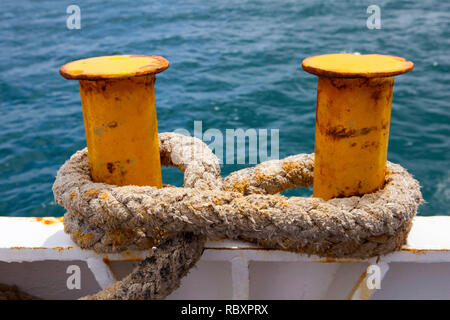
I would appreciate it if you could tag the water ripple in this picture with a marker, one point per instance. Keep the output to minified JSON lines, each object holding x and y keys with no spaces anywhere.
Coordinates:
{"x":233,"y":64}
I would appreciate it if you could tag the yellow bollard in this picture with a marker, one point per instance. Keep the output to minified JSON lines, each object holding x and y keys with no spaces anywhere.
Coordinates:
{"x":354,"y":97}
{"x":118,"y":101}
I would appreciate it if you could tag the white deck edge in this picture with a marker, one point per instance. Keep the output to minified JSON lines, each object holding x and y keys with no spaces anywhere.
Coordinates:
{"x":38,"y":239}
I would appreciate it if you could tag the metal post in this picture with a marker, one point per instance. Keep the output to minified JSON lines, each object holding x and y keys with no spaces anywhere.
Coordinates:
{"x":354,"y":97}
{"x":118,"y":100}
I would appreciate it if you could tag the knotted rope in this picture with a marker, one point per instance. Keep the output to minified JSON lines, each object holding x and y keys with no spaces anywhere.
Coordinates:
{"x":245,"y":205}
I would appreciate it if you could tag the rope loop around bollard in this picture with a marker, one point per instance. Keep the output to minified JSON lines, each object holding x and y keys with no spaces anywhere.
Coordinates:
{"x":245,"y":205}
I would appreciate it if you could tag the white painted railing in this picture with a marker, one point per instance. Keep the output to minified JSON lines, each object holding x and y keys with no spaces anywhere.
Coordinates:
{"x":35,"y":254}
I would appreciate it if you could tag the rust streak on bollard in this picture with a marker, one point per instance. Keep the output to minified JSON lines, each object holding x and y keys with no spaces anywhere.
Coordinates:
{"x":354,"y":98}
{"x":118,"y":101}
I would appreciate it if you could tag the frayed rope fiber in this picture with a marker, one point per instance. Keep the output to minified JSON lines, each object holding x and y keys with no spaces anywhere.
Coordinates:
{"x":245,"y":205}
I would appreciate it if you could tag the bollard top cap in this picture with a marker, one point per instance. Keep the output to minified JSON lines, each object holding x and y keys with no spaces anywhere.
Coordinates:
{"x":349,"y":65}
{"x":113,"y":67}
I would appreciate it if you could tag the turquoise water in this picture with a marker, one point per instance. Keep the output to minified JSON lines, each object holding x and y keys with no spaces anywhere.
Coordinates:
{"x":234,"y":64}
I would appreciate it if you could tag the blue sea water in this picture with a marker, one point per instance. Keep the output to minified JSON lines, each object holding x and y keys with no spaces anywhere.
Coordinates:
{"x":234,"y":64}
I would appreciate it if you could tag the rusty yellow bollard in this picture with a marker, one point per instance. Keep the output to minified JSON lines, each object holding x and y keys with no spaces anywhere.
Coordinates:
{"x":354,"y":97}
{"x":118,"y":101}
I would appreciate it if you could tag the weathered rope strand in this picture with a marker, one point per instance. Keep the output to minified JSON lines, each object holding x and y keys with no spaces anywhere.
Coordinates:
{"x":244,"y":205}
{"x":159,"y":275}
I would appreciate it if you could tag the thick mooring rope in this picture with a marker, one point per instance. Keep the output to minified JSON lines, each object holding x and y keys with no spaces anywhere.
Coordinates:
{"x":244,"y":205}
